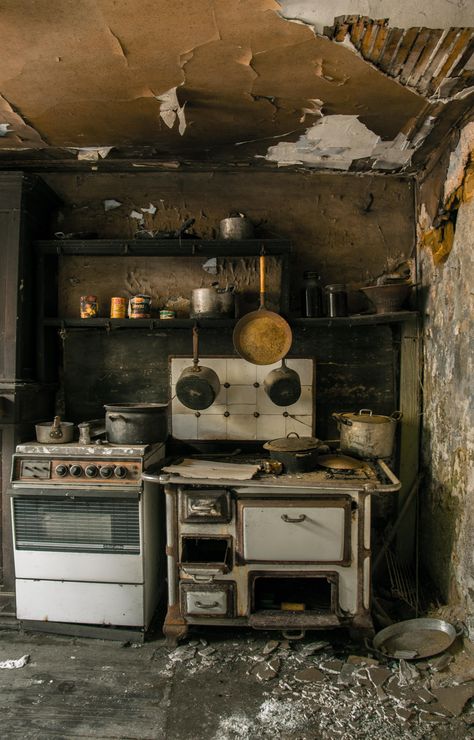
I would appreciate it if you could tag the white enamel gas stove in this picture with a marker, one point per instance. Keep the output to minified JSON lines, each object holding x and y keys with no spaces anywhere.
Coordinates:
{"x":88,"y":534}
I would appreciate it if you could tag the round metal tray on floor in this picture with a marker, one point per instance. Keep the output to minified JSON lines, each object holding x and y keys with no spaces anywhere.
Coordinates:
{"x":424,"y":637}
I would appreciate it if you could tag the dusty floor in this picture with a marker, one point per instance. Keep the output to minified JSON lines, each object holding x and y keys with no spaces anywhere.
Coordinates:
{"x":211,"y":687}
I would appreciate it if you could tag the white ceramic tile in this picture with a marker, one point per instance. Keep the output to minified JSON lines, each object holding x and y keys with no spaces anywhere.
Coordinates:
{"x":240,"y":426}
{"x":178,"y":364}
{"x":240,"y":372}
{"x":265,"y":405}
{"x":302,"y":425}
{"x":270,"y":427}
{"x":304,"y":368}
{"x":304,"y":404}
{"x":211,"y":427}
{"x":218,"y":364}
{"x":263,"y":370}
{"x":178,"y":408}
{"x":242,"y":394}
{"x":184,"y":426}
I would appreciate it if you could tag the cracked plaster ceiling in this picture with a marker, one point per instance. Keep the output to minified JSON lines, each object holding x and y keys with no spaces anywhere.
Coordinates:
{"x":230,"y":81}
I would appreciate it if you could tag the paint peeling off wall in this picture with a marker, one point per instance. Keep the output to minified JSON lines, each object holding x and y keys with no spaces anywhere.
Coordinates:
{"x":335,"y":142}
{"x":15,"y":133}
{"x":447,"y":505}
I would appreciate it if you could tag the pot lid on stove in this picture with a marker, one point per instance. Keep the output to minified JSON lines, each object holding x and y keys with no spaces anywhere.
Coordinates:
{"x":340,"y":462}
{"x":293,"y":443}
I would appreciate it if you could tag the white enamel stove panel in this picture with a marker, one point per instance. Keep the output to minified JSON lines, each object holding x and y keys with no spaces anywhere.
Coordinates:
{"x":241,"y":400}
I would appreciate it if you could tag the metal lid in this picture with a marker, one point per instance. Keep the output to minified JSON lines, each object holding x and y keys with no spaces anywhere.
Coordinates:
{"x":340,"y":462}
{"x":293,"y":444}
{"x":365,"y":416}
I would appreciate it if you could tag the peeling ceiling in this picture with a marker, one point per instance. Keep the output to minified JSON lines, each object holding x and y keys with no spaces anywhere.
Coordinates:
{"x":249,"y":82}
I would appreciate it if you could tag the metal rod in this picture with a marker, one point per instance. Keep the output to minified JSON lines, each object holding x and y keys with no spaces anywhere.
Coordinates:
{"x":399,"y":519}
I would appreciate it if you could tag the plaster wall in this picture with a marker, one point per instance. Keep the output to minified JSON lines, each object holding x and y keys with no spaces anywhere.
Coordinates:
{"x":447,"y":504}
{"x":403,"y":13}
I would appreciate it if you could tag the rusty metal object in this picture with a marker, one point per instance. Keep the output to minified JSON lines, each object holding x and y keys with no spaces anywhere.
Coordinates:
{"x":296,"y":454}
{"x":197,"y":387}
{"x":387,"y":298}
{"x":262,"y":337}
{"x":89,"y":307}
{"x":58,"y":432}
{"x":118,"y":307}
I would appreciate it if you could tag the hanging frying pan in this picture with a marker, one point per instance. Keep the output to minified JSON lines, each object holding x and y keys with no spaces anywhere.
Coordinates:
{"x":262,"y":337}
{"x":197,"y":387}
{"x":283,"y":385}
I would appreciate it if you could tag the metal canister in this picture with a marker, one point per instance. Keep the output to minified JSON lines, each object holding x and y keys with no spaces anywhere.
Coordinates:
{"x":139,"y":307}
{"x":118,"y":307}
{"x":89,"y":307}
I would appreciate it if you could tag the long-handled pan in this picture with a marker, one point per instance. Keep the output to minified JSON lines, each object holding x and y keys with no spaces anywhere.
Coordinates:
{"x":197,"y":387}
{"x":262,"y":337}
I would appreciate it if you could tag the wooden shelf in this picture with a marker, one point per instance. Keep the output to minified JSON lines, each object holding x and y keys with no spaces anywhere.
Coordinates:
{"x":163,"y":247}
{"x":162,"y":324}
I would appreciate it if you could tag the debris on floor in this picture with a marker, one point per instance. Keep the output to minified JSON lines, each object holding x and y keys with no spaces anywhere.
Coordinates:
{"x":19,"y":663}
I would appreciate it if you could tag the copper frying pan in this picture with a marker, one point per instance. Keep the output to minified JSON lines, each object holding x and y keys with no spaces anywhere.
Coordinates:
{"x":262,"y":337}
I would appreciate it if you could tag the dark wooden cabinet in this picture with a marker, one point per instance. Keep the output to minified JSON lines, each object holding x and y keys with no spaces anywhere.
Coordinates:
{"x":25,"y":207}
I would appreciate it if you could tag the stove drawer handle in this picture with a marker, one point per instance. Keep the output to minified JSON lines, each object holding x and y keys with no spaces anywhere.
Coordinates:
{"x":211,"y":605}
{"x":295,"y":520}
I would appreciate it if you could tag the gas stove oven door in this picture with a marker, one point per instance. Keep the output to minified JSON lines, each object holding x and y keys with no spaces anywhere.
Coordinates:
{"x":296,"y":530}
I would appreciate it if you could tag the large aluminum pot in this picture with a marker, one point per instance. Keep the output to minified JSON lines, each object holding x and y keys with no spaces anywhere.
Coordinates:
{"x":136,"y":423}
{"x":213,"y":302}
{"x":366,"y":434}
{"x":237,"y":226}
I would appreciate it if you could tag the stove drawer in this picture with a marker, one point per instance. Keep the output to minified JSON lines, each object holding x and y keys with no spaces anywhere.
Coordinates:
{"x":205,"y":506}
{"x":207,"y":600}
{"x":299,"y":531}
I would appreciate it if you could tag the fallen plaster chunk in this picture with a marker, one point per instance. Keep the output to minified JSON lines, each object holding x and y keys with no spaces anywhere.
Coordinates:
{"x":267,"y":670}
{"x":19,"y":663}
{"x":136,"y":214}
{"x":111,"y":203}
{"x":171,"y":110}
{"x":151,"y":209}
{"x":311,"y":675}
{"x":210,"y":265}
{"x":5,"y":129}
{"x":91,"y":153}
{"x":335,"y":142}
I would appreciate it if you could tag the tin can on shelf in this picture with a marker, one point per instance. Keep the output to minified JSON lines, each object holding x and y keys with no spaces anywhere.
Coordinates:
{"x":139,"y":307}
{"x":165,"y":313}
{"x":89,"y":307}
{"x":118,"y":307}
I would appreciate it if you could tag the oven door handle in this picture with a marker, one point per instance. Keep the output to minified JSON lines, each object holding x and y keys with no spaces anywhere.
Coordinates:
{"x":295,"y":520}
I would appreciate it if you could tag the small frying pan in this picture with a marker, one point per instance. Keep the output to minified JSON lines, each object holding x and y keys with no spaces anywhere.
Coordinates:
{"x":283,"y":385}
{"x":262,"y":337}
{"x":197,"y":387}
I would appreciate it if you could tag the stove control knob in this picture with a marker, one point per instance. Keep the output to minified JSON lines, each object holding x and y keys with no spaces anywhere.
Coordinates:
{"x":120,"y":471}
{"x":61,"y":470}
{"x":76,"y":470}
{"x":91,"y":471}
{"x":106,"y":471}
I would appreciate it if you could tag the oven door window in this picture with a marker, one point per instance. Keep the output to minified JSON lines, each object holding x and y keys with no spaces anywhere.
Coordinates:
{"x":76,"y":525}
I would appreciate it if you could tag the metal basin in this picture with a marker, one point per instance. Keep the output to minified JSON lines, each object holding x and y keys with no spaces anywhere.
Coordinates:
{"x":424,"y":637}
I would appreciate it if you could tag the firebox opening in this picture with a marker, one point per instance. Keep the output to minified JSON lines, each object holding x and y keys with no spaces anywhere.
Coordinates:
{"x":206,"y":550}
{"x":283,"y":593}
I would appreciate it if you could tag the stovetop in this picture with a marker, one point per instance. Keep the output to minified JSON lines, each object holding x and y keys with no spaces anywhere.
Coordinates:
{"x":375,"y":475}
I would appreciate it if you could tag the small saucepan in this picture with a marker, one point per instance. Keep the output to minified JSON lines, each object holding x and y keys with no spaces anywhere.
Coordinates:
{"x":197,"y":387}
{"x":56,"y":432}
{"x":297,"y":454}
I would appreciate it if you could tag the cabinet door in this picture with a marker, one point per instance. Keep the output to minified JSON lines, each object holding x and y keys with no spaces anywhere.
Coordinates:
{"x":302,"y":531}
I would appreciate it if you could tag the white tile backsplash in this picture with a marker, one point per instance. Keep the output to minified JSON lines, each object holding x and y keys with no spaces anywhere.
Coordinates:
{"x":241,"y":399}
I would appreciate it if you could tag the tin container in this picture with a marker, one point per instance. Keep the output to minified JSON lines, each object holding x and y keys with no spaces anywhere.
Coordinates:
{"x":118,"y":307}
{"x":336,"y":296}
{"x":167,"y":314}
{"x":139,"y":307}
{"x":89,"y":307}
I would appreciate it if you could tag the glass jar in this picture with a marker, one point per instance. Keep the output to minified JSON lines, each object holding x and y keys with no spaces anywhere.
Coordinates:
{"x":336,"y":296}
{"x":312,"y":295}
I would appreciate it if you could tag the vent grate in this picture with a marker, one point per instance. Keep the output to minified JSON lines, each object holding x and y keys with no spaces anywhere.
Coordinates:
{"x":77,"y":525}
